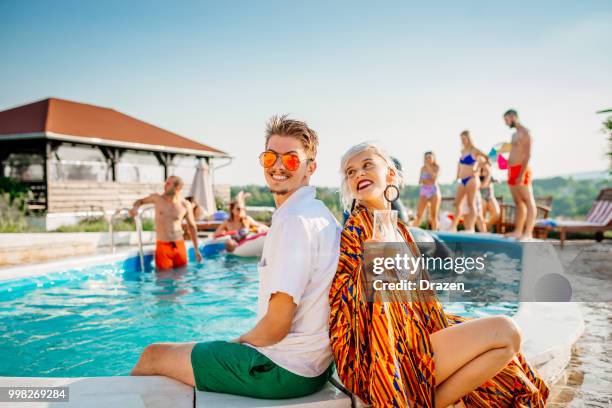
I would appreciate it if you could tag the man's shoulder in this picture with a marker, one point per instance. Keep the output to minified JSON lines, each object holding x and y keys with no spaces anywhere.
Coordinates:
{"x":311,"y":210}
{"x":155,"y":197}
{"x":311,"y":214}
{"x":523,"y":131}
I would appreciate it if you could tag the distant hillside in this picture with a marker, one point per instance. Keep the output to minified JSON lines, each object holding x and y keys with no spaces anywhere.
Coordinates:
{"x":572,"y":197}
{"x":588,"y":175}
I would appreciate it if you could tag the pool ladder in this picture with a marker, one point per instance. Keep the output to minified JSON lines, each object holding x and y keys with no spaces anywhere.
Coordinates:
{"x":138,"y":221}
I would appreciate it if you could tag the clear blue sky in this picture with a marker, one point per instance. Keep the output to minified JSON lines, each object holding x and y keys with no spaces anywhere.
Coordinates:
{"x":411,"y":76}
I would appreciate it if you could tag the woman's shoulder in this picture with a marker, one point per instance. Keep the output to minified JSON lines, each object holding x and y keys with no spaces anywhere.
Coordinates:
{"x":356,"y":225}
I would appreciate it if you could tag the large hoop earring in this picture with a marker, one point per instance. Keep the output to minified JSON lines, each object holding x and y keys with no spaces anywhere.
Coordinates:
{"x":391,"y":188}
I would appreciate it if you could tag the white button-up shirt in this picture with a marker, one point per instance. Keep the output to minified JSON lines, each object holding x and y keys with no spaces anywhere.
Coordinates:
{"x":300,"y":257}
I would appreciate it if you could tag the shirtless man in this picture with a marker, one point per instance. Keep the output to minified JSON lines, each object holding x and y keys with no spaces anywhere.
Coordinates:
{"x":519,"y":178}
{"x":170,"y":209}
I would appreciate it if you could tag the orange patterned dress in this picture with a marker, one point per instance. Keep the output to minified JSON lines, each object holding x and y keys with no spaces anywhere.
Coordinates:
{"x":383,"y":352}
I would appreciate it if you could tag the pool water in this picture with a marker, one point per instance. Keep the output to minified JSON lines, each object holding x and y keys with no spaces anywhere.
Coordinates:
{"x":95,"y":321}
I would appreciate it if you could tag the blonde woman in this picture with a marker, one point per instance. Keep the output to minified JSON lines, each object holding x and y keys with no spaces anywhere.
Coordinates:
{"x":412,"y":353}
{"x":468,"y":181}
{"x":429,"y":191}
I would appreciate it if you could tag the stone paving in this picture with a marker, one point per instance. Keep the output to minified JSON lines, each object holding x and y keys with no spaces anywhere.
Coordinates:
{"x":587,"y":382}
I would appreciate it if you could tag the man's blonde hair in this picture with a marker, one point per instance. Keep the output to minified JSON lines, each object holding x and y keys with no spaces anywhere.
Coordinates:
{"x":282,"y":125}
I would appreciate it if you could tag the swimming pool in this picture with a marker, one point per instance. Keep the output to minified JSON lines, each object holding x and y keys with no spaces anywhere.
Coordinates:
{"x":95,"y":321}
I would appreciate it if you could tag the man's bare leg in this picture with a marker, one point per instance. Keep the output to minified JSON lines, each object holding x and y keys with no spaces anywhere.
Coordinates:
{"x":519,"y":216}
{"x":169,"y":359}
{"x":526,"y":195}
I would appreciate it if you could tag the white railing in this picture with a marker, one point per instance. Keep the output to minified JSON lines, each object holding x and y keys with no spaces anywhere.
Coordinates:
{"x":138,"y":221}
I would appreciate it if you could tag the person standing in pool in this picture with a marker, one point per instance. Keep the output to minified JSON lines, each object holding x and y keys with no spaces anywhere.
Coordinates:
{"x":519,"y":177}
{"x":468,"y":181}
{"x":170,"y":210}
{"x":429,"y":191}
{"x":287,"y":354}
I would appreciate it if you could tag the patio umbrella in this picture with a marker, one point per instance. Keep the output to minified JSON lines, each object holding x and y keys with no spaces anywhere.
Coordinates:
{"x":202,"y":189}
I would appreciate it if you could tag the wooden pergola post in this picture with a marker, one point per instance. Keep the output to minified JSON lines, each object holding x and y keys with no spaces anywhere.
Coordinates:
{"x":165,"y":159}
{"x":47,"y":152}
{"x":112,"y":155}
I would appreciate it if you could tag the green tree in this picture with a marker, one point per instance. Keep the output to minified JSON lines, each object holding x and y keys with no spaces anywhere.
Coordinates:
{"x":607,"y":129}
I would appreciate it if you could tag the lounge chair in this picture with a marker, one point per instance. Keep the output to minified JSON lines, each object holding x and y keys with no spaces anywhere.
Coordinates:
{"x":598,"y":219}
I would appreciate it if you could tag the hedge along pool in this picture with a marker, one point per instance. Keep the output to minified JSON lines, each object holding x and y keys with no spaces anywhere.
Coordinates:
{"x":95,"y":321}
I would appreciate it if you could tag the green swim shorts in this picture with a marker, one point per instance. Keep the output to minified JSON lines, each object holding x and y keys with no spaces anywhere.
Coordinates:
{"x":234,"y":368}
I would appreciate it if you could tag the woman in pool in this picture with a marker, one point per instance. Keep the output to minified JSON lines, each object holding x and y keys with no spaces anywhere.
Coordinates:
{"x":468,"y":181}
{"x":429,"y":191}
{"x":411,"y":353}
{"x":487,"y":192}
{"x":239,"y":224}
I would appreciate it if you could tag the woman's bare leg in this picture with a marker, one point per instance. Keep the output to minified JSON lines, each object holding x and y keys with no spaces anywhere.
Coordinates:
{"x":493,"y":208}
{"x":170,"y":359}
{"x":434,"y":209}
{"x":458,"y":199}
{"x":470,"y":192}
{"x":481,"y":223}
{"x":420,"y":210}
{"x":468,"y":354}
{"x":231,"y":245}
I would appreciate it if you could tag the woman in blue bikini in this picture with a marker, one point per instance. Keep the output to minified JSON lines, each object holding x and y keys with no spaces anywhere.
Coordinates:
{"x":429,"y":192}
{"x":468,"y":181}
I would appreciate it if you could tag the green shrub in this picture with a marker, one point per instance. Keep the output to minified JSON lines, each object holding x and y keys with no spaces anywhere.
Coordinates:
{"x":17,"y":192}
{"x":12,"y":218}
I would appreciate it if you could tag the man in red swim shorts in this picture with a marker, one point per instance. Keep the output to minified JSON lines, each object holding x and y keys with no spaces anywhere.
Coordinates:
{"x":519,"y":178}
{"x":170,"y":210}
{"x":514,"y":173}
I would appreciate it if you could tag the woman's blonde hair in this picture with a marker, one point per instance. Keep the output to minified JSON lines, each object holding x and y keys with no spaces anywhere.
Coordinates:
{"x":346,"y":197}
{"x":468,"y":137}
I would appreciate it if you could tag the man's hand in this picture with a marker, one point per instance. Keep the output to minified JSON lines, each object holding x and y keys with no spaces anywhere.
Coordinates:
{"x":198,"y":255}
{"x":147,"y":200}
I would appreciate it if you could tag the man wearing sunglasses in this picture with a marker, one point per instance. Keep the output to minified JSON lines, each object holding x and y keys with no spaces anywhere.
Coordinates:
{"x":287,"y":354}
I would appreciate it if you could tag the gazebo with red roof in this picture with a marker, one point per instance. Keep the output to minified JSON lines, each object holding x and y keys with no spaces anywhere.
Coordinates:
{"x":78,"y":157}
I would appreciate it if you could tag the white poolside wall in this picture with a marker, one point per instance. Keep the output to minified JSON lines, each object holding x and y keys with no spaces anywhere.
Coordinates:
{"x":23,"y":248}
{"x":549,"y":333}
